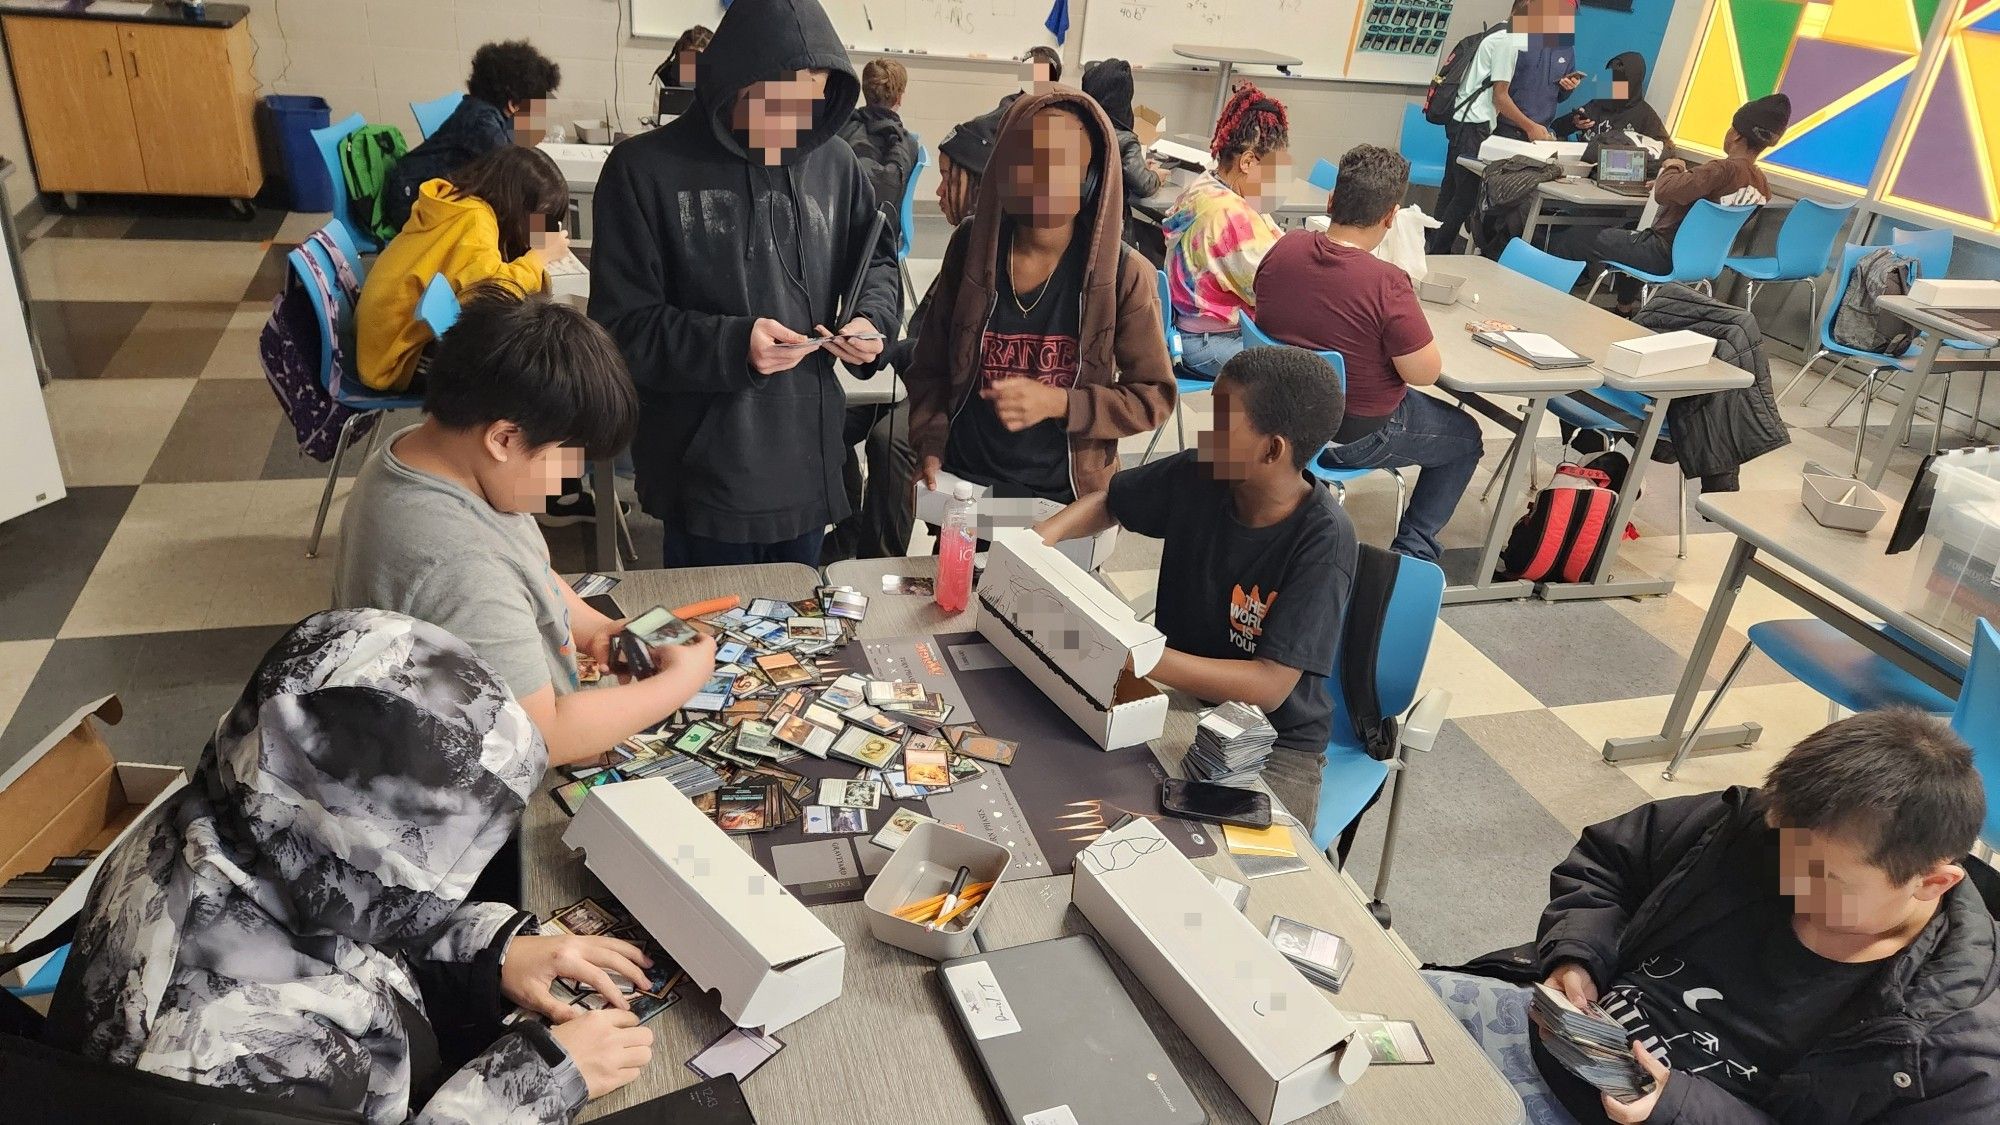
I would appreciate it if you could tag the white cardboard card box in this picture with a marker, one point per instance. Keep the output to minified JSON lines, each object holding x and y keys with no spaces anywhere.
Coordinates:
{"x":67,"y":795}
{"x":1500,"y":148}
{"x":992,"y":514}
{"x":1070,"y":635}
{"x":1664,"y":351}
{"x":1955,"y":293}
{"x":726,"y":920}
{"x":1271,"y":1034}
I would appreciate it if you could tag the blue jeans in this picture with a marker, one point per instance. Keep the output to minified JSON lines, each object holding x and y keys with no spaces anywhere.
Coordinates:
{"x":1495,"y":1014}
{"x":684,"y":550}
{"x":1205,"y":352}
{"x":1441,"y":440}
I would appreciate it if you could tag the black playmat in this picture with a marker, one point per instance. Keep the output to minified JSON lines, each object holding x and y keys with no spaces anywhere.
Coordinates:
{"x":1060,"y":793}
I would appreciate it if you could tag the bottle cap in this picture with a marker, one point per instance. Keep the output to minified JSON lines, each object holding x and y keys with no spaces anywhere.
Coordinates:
{"x":964,"y":490}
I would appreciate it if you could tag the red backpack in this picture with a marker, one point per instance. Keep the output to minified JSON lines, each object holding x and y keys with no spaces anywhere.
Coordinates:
{"x":1563,"y":535}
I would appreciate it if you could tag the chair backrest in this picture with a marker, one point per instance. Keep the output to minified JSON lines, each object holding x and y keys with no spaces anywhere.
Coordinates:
{"x":1420,"y":141}
{"x":431,"y":114}
{"x":1406,"y":645}
{"x":1167,"y":328}
{"x":1255,"y":337}
{"x":1931,"y":249}
{"x":1806,"y":240}
{"x":328,"y":140}
{"x":1850,"y":255}
{"x":1704,"y":237}
{"x":1977,"y":719}
{"x":438,"y":307}
{"x":1532,"y":261}
{"x":909,"y":214}
{"x":1325,"y":174}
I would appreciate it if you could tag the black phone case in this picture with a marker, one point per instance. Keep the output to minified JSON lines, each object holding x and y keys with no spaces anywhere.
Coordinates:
{"x":1191,"y":814}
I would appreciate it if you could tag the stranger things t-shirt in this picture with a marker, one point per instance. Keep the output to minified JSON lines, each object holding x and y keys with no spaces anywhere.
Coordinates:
{"x":1030,"y":335}
{"x":1230,"y":591}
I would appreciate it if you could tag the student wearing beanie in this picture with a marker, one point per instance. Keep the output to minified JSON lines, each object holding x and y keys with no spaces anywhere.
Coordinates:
{"x":1733,"y":180}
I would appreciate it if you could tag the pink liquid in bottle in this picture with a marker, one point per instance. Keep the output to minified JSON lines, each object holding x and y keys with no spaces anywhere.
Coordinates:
{"x":957,"y":542}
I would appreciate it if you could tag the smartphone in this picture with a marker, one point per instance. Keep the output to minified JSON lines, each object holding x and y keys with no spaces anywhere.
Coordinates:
{"x":1218,"y":804}
{"x":632,"y":647}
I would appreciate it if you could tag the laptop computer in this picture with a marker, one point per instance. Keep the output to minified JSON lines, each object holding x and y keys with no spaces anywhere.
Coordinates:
{"x":1061,"y":1040}
{"x":1623,"y":171}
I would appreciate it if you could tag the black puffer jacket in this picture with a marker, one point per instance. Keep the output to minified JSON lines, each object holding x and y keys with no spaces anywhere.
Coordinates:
{"x":1923,"y":1049}
{"x":1715,"y":434}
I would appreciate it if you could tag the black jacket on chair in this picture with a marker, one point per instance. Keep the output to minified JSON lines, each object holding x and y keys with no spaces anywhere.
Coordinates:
{"x":1716,"y":434}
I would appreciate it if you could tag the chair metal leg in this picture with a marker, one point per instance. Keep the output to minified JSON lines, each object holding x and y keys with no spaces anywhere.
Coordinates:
{"x":1749,"y":295}
{"x":1157,"y":432}
{"x":1812,"y":304}
{"x":1683,"y":498}
{"x":332,"y":478}
{"x":1867,"y":383}
{"x":1824,"y":380}
{"x":1340,"y":493}
{"x":1180,"y":430}
{"x":1402,"y":495}
{"x":1807,"y":366}
{"x":909,"y":287}
{"x":1694,"y":732}
{"x":1591,"y":297}
{"x":626,"y":545}
{"x":1861,"y":430}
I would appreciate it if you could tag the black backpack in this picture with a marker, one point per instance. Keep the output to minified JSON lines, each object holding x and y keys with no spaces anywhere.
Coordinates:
{"x":1361,"y":632}
{"x":1444,"y":99}
{"x":1563,"y":535}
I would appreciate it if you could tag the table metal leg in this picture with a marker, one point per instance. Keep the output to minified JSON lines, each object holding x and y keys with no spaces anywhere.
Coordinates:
{"x":1605,"y":584}
{"x":1484,"y":587}
{"x":1534,"y":218}
{"x":604,"y":482}
{"x":1221,"y":92}
{"x":1905,"y":410}
{"x":1674,"y":731}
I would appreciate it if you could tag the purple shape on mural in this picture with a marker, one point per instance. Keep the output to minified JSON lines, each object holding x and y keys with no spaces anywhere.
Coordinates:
{"x":1821,"y":71}
{"x":1941,"y":168}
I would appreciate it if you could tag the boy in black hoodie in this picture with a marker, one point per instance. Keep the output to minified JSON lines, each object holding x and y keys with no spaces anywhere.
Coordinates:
{"x":725,"y":240}
{"x":1624,"y":108}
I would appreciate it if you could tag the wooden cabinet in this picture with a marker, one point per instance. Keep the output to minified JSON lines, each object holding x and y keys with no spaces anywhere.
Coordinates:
{"x":151,"y":108}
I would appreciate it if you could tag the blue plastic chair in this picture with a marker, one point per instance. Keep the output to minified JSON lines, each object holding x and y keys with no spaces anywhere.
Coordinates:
{"x":431,"y":114}
{"x":1804,"y":244}
{"x":1351,"y":778}
{"x":1337,"y":476}
{"x":1532,"y":261}
{"x":1815,"y":653}
{"x":1423,"y":145}
{"x":328,"y":140}
{"x":350,"y":393}
{"x":1876,"y":368}
{"x":438,"y":307}
{"x":343,"y":237}
{"x":1701,"y":243}
{"x":1977,"y":719}
{"x":1186,"y":381}
{"x":1324,"y":175}
{"x":908,"y":237}
{"x":1931,"y":248}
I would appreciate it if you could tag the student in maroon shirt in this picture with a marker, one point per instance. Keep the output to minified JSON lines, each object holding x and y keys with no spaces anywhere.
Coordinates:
{"x":1328,"y":292}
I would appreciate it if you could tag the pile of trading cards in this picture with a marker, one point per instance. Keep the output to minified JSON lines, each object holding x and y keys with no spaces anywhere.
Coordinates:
{"x":770,"y":703}
{"x":1324,"y":958}
{"x":1589,"y":1044}
{"x":592,"y":917}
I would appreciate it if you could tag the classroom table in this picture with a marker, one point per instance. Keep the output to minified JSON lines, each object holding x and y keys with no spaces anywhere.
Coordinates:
{"x":888,"y":1051}
{"x":1473,"y":371}
{"x":1227,"y":59}
{"x":1840,"y":577}
{"x":1936,"y":330}
{"x":1590,"y":205}
{"x":1301,"y":198}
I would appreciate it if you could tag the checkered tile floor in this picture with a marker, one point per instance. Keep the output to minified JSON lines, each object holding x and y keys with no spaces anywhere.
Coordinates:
{"x":179,"y":556}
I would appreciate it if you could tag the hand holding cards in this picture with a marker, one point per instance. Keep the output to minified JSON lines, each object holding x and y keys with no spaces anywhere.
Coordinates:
{"x":632,"y":647}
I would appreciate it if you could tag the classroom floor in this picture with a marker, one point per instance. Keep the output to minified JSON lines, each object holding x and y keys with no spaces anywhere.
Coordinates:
{"x":179,"y":557}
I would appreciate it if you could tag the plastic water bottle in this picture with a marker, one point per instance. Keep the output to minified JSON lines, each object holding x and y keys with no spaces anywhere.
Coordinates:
{"x":956,"y":543}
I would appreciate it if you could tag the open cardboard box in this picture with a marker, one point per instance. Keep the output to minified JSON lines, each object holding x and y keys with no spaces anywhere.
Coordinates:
{"x":1274,"y":1037}
{"x":726,"y":920}
{"x":1072,"y":636}
{"x":69,"y":795}
{"x":993,"y":513}
{"x":1148,"y":124}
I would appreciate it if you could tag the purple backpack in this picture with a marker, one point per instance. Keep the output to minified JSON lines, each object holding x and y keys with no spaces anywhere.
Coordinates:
{"x":294,"y":343}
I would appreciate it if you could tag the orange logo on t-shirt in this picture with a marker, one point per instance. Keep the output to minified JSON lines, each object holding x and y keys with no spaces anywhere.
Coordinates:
{"x":1246,"y":616}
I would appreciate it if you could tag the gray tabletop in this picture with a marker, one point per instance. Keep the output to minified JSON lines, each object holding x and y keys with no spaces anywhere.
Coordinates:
{"x":1928,"y":319}
{"x":1577,"y":191}
{"x":1236,"y":56}
{"x":887,"y":1051}
{"x":1850,"y":564}
{"x":1301,"y":197}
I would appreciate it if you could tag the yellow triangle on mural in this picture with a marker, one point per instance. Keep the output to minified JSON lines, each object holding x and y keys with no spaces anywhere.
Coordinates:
{"x":1888,"y":25}
{"x":1715,"y":89}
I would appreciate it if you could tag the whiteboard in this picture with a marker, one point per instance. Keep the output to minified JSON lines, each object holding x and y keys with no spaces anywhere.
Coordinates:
{"x":981,"y":28}
{"x":1335,"y":38}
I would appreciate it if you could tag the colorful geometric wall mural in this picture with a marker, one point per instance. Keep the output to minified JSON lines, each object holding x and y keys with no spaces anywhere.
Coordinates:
{"x":1943,"y":165}
{"x":1846,"y":65}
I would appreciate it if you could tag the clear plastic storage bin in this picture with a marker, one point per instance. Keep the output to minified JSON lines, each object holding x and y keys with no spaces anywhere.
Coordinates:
{"x":1956,"y":582}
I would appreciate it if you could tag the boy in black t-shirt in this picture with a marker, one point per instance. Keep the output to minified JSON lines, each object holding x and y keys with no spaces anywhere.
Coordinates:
{"x":1258,"y":558}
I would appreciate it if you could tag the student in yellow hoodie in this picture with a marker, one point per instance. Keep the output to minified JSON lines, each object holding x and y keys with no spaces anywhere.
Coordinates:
{"x":498,"y":218}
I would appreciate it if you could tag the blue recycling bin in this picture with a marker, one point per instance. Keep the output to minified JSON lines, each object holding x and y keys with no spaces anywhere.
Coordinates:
{"x":293,"y":118}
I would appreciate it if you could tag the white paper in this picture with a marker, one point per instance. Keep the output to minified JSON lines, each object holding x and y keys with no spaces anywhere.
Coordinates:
{"x":1540,"y":345}
{"x":979,"y":997}
{"x":569,"y":265}
{"x":1178,"y":151}
{"x":1054,"y":1115}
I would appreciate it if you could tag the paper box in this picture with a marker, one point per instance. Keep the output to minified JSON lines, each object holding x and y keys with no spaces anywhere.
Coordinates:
{"x":726,"y":920}
{"x":1266,"y":1030}
{"x":1666,"y":351}
{"x":992,"y":514}
{"x":1148,"y":124}
{"x":1556,"y":152}
{"x":69,"y":795}
{"x":1955,"y":293}
{"x":1072,"y":636}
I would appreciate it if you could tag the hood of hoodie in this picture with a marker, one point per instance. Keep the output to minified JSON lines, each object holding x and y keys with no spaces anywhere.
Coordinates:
{"x":438,"y":205}
{"x":367,"y":774}
{"x":1630,"y":66}
{"x":1110,"y":82}
{"x":760,"y":40}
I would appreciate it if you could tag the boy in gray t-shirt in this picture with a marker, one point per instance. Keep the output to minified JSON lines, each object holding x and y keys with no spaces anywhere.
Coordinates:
{"x":439,"y":526}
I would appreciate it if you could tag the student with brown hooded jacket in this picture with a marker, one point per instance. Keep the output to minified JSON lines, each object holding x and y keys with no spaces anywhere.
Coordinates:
{"x":1042,"y":344}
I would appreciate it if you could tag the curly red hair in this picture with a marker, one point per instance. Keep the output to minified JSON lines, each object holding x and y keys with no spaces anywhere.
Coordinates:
{"x":1253,"y":122}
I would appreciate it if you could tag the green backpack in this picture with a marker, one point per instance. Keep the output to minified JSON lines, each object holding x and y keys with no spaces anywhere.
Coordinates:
{"x":366,"y":156}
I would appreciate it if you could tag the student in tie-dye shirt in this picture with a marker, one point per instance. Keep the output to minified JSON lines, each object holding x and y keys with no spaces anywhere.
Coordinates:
{"x":1217,"y":231}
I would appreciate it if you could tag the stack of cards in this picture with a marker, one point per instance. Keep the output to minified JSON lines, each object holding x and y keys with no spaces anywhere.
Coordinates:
{"x":1324,"y":958}
{"x":26,"y":895}
{"x":1230,"y":745}
{"x":645,"y":756}
{"x":1589,"y":1044}
{"x":605,"y":917}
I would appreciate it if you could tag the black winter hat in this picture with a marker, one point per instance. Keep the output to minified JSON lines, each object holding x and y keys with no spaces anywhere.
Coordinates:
{"x":1763,"y":121}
